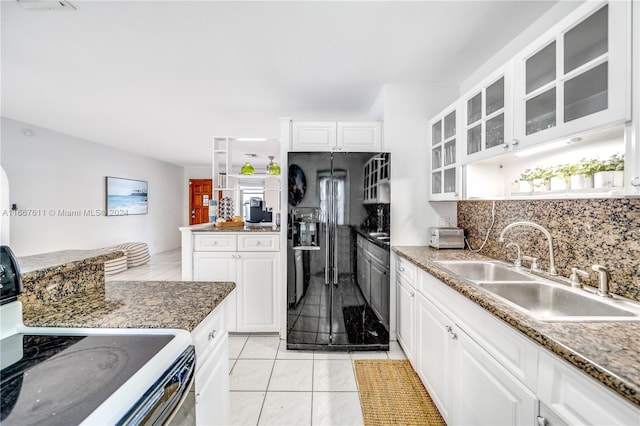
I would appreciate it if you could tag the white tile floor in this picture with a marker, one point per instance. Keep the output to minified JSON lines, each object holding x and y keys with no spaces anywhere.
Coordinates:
{"x":165,"y":266}
{"x":271,"y":385}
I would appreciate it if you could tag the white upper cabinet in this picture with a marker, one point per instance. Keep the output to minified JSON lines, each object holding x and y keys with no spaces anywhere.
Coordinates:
{"x":487,"y":111}
{"x":340,"y":136}
{"x":575,"y":77}
{"x":444,"y":179}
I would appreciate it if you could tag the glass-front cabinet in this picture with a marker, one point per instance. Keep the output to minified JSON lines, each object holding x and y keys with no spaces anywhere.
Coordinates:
{"x":445,"y":171}
{"x":488,"y":117}
{"x":576,"y":77}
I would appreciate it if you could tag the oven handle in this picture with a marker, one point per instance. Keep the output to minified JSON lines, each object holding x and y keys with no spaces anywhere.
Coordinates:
{"x":163,"y":399}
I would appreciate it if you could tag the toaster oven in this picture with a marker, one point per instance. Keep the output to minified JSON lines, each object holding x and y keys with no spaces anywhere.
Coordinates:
{"x":446,"y":238}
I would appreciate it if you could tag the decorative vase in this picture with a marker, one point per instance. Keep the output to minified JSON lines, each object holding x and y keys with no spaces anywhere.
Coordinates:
{"x":525,"y":186}
{"x":540,"y":185}
{"x":558,"y":184}
{"x":247,"y":169}
{"x":581,"y":182}
{"x":608,"y":179}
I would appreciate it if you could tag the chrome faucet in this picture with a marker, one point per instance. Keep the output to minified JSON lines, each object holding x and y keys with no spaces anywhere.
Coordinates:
{"x":552,"y":264}
{"x":517,"y":262}
{"x":603,"y":280}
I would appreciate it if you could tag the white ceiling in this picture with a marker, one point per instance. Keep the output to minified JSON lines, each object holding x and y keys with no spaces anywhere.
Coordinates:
{"x":161,"y":78}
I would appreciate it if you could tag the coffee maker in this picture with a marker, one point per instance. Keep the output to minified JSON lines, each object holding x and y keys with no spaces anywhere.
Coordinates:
{"x":254,"y":211}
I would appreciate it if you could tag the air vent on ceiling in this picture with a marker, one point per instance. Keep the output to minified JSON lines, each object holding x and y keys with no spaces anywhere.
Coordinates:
{"x":46,"y":5}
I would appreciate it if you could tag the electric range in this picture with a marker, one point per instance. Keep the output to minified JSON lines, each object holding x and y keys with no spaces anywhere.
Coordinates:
{"x":69,"y":376}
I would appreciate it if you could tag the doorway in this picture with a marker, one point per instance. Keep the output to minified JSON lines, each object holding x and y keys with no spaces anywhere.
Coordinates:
{"x":199,"y":196}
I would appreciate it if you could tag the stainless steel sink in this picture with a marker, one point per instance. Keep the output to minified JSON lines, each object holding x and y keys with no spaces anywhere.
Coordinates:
{"x":553,"y":302}
{"x":484,"y":271}
{"x":378,"y":234}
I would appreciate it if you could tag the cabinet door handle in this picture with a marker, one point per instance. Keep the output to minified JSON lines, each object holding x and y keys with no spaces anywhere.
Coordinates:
{"x":238,"y":256}
{"x":505,"y":145}
{"x":212,"y":334}
{"x":233,"y":256}
{"x":413,"y":294}
{"x":339,"y":147}
{"x":401,"y":269}
{"x":635,"y":181}
{"x":542,"y":421}
{"x":515,"y":142}
{"x":333,"y":147}
{"x":258,"y":243}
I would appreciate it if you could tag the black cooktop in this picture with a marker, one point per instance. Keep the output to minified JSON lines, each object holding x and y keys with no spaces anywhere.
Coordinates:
{"x":60,"y":380}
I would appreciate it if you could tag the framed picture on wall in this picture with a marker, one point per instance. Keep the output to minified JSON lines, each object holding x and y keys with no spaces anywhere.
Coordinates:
{"x":126,"y":196}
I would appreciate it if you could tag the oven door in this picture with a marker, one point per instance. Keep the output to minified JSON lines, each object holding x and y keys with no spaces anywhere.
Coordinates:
{"x":171,"y":397}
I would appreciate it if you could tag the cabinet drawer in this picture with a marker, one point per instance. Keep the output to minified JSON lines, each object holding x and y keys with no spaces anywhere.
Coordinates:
{"x":215,"y":243}
{"x":209,"y":332}
{"x":258,"y":242}
{"x":406,"y":269}
{"x":379,"y":254}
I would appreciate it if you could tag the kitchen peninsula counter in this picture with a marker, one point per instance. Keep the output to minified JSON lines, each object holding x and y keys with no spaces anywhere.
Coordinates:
{"x":133,"y":304}
{"x":208,"y":227}
{"x":607,"y":351}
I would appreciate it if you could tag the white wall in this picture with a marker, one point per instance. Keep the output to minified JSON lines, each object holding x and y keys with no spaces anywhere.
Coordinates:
{"x":5,"y":208}
{"x":50,"y":172}
{"x":406,"y":111}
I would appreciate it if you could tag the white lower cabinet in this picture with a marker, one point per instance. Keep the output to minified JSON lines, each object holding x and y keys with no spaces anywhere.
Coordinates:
{"x":256,"y":281}
{"x":406,"y":300}
{"x":253,"y":306}
{"x":434,"y":354}
{"x":467,"y":384}
{"x":479,"y":371}
{"x":211,"y":340}
{"x":486,"y":393}
{"x":578,"y":399}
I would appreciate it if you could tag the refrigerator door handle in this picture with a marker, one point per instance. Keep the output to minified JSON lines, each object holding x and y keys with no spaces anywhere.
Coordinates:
{"x":326,"y":254}
{"x":335,"y":245}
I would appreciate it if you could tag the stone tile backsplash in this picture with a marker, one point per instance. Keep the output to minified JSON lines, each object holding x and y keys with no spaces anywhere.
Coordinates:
{"x":585,"y":232}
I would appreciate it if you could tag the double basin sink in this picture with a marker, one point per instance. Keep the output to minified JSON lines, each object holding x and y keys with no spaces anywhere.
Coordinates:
{"x":543,"y":299}
{"x":380,"y":236}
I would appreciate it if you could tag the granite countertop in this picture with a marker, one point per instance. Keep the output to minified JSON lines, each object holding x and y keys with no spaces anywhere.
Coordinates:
{"x":365,"y":234}
{"x":607,"y":351}
{"x":133,"y":304}
{"x":246,"y":228}
{"x":41,"y":264}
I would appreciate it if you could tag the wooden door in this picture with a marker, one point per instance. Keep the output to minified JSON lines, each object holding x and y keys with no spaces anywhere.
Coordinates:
{"x":199,"y":196}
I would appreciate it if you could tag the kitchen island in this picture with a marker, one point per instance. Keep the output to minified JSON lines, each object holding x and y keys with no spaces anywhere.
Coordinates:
{"x":74,"y":295}
{"x":133,"y":304}
{"x":608,"y":352}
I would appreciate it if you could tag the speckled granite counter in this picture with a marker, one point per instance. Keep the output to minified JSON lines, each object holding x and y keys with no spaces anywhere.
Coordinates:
{"x":39,"y":265}
{"x":607,"y":351}
{"x":245,"y":228}
{"x":52,"y":276}
{"x":133,"y":304}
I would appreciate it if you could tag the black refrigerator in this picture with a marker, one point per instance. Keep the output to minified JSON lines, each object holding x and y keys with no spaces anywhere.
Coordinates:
{"x":328,"y":208}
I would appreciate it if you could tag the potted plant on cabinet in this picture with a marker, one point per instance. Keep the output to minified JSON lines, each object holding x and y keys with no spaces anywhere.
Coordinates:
{"x":611,"y":173}
{"x":582,"y":178}
{"x":561,"y":176}
{"x":541,"y":178}
{"x":525,"y":181}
